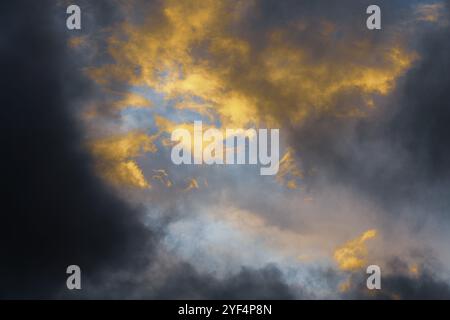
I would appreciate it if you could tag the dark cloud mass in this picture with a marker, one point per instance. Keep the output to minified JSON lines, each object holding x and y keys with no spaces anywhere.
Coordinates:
{"x":55,"y":212}
{"x":400,"y":153}
{"x":400,"y":284}
{"x":265,"y":283}
{"x":399,"y":156}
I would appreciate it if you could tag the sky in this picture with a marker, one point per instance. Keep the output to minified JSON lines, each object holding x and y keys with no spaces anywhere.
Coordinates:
{"x":364,"y":164}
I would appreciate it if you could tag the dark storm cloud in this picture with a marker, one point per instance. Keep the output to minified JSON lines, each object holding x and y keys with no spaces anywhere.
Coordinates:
{"x":398,"y":156}
{"x":426,"y":287}
{"x":421,"y":123}
{"x":400,"y":153}
{"x":347,"y":19}
{"x":55,"y":212}
{"x":182,"y":281}
{"x":426,"y":284}
{"x":400,"y":283}
{"x":348,"y":15}
{"x":265,"y":283}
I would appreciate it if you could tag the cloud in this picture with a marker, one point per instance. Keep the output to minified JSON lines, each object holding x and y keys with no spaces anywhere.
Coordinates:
{"x":264,"y":283}
{"x":364,"y":119}
{"x":235,"y":78}
{"x":398,"y":282}
{"x":289,"y":173}
{"x":430,"y":12}
{"x":115,"y":157}
{"x":354,"y":107}
{"x":397,"y":154}
{"x":353,"y":254}
{"x":57,"y":211}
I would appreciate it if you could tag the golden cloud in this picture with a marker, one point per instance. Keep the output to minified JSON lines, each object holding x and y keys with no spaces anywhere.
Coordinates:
{"x":352,"y":256}
{"x":189,"y":54}
{"x":115,"y":158}
{"x":289,"y":172}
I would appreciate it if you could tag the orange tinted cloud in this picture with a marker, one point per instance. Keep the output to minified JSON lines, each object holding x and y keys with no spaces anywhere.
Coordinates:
{"x":353,"y":255}
{"x":116,"y":158}
{"x":189,"y":54}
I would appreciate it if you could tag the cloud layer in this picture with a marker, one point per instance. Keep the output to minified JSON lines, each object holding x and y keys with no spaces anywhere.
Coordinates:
{"x":363,"y":178}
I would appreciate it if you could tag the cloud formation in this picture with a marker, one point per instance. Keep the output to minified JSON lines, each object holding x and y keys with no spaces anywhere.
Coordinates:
{"x":57,"y":210}
{"x":363,"y":117}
